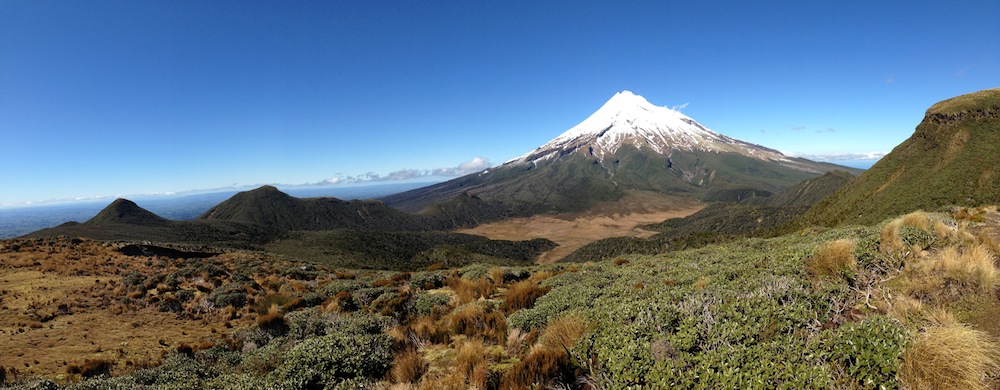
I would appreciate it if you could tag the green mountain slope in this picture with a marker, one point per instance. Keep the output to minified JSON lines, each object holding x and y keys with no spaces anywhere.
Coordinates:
{"x":576,"y":182}
{"x":951,"y":159}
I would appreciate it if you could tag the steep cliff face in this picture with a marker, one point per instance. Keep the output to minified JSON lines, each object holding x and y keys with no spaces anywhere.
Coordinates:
{"x":953,"y":158}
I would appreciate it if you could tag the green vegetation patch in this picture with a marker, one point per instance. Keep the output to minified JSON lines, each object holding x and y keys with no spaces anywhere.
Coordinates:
{"x":741,"y":315}
{"x":405,"y":251}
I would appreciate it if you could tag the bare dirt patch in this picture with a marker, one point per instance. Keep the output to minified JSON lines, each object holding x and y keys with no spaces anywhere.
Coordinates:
{"x":572,"y":231}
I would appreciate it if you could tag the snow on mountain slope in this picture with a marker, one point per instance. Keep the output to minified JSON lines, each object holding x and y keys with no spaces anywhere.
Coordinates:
{"x":629,"y":119}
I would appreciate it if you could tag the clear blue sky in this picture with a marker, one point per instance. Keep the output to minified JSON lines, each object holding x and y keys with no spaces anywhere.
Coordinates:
{"x":127,"y":97}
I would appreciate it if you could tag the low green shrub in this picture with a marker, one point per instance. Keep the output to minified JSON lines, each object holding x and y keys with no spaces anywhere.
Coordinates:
{"x":866,"y":354}
{"x":431,"y":304}
{"x":335,"y":357}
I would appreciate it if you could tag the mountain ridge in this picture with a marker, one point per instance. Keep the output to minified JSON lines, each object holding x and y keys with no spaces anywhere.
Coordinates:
{"x":949,"y":160}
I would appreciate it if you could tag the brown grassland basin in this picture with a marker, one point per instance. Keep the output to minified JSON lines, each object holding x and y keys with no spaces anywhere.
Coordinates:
{"x":611,"y":219}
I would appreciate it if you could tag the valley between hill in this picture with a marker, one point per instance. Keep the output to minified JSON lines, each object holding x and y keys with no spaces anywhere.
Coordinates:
{"x":574,"y":230}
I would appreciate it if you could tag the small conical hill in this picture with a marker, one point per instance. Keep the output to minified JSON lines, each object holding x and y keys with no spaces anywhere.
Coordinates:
{"x":124,"y":211}
{"x":953,"y":158}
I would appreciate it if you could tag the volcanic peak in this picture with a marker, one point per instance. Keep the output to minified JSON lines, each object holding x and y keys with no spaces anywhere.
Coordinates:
{"x":126,"y":211}
{"x":629,"y":119}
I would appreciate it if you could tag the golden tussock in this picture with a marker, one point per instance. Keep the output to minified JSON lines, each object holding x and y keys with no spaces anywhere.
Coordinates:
{"x":408,"y":367}
{"x":833,"y":259}
{"x":563,"y":332}
{"x":522,"y":295}
{"x":973,"y":268}
{"x":949,"y":355}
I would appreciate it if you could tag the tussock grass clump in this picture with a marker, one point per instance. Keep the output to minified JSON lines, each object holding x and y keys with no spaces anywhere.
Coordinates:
{"x":467,"y":291}
{"x":471,"y":363}
{"x":515,"y":341}
{"x":906,"y":309}
{"x":522,"y":295}
{"x":892,"y":235}
{"x":480,"y":320}
{"x":946,"y":232}
{"x":548,"y":361}
{"x":563,"y":332}
{"x":395,"y":280}
{"x":919,"y":219}
{"x":91,"y":368}
{"x":986,"y":238}
{"x":835,"y":259}
{"x":949,"y":355}
{"x":974,"y":268}
{"x":408,"y":367}
{"x":426,"y":330}
{"x":539,"y":369}
{"x":972,"y":215}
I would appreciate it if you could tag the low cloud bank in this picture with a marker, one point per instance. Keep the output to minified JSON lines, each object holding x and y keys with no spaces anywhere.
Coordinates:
{"x":472,"y":166}
{"x":839,"y":156}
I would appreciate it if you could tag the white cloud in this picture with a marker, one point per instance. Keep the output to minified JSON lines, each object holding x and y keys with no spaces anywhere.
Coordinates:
{"x":680,"y":107}
{"x":838,"y":156}
{"x":797,"y":128}
{"x":472,"y":166}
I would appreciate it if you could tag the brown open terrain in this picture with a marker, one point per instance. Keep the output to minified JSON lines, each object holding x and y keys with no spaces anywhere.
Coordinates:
{"x":63,"y":302}
{"x":572,"y":231}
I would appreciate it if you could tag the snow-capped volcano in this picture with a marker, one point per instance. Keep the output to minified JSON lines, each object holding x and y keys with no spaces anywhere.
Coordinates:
{"x":629,"y":119}
{"x":628,"y":147}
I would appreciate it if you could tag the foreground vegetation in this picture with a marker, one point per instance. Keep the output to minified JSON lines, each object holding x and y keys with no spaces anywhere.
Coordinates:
{"x":907,"y":303}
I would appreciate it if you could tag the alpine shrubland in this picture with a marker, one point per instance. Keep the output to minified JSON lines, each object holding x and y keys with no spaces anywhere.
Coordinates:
{"x":895,"y":305}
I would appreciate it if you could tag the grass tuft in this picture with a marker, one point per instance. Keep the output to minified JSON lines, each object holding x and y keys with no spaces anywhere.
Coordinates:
{"x":949,"y":355}
{"x":408,"y":367}
{"x":972,"y":269}
{"x":891,"y":237}
{"x":467,"y":291}
{"x":476,"y":320}
{"x":563,"y":332}
{"x":835,"y":259}
{"x":471,"y":361}
{"x":427,"y":330}
{"x":539,"y":369}
{"x":522,"y":295}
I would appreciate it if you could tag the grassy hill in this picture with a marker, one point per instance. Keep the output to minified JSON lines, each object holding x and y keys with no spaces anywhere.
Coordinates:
{"x":951,"y":159}
{"x":124,"y":211}
{"x":270,"y":207}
